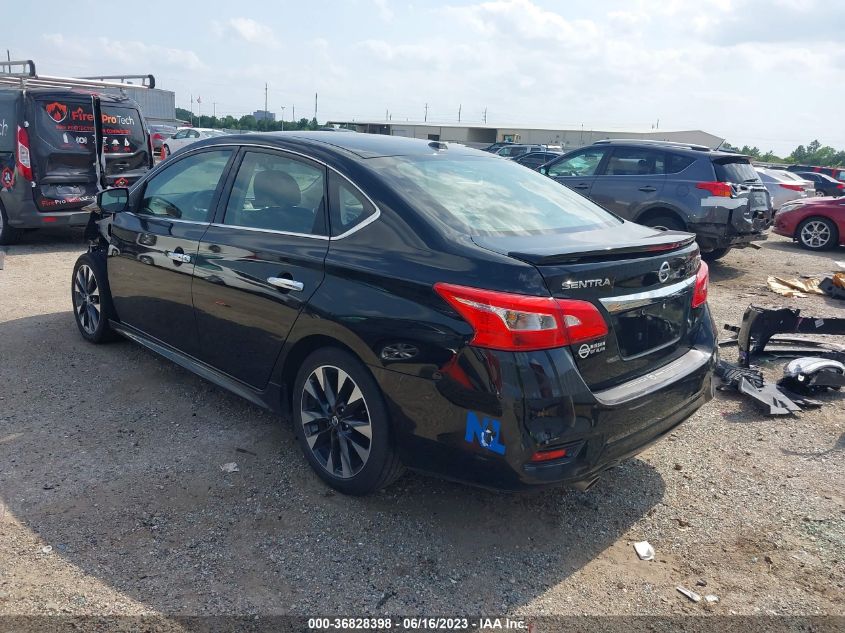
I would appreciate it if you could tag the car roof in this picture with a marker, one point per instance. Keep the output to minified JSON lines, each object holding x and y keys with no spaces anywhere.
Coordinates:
{"x":75,"y":92}
{"x":688,"y":148}
{"x":360,"y":144}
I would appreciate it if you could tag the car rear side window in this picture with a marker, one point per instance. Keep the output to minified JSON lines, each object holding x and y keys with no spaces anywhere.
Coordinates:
{"x":676,"y":163}
{"x":489,"y":196}
{"x":735,"y":171}
{"x":275,"y":192}
{"x":185,"y":189}
{"x":635,"y":161}
{"x":348,"y":206}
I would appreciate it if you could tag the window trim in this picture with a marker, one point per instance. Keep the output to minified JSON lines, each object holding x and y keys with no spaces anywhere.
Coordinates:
{"x":239,"y":151}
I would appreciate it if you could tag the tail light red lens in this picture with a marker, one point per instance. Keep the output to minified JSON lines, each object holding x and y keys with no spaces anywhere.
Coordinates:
{"x":840,"y":185}
{"x":515,"y":322}
{"x":720,"y":189}
{"x":702,"y":281}
{"x":24,"y":156}
{"x":548,"y":455}
{"x":792,"y":187}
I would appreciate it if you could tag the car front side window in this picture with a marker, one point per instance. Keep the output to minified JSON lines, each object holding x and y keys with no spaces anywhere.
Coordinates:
{"x":185,"y":190}
{"x":584,"y":163}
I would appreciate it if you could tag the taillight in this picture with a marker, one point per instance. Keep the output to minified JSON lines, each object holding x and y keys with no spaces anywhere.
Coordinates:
{"x":702,"y":281}
{"x":24,"y":158}
{"x":157,"y":136}
{"x":720,"y":189}
{"x":549,"y":455}
{"x":792,"y":187}
{"x":513,"y":322}
{"x":840,"y":185}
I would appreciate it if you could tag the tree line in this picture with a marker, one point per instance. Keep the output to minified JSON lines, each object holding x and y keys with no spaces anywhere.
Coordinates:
{"x":812,"y":154}
{"x":247,"y":122}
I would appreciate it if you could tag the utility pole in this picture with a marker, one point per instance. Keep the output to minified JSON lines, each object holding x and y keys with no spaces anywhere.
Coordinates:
{"x":484,"y":115}
{"x":283,"y":118}
{"x":192,"y":109}
{"x":265,"y":101}
{"x":293,"y":113}
{"x":425,"y":118}
{"x":315,"y":106}
{"x":459,"y":112}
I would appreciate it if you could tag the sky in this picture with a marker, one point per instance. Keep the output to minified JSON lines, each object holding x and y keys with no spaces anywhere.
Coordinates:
{"x":766,"y":73}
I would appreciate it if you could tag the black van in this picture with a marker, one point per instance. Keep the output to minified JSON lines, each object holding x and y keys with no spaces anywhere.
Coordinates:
{"x":47,"y":156}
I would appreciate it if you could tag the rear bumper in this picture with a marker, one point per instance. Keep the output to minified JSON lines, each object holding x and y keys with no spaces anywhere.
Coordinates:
{"x":28,"y":217}
{"x":482,"y":418}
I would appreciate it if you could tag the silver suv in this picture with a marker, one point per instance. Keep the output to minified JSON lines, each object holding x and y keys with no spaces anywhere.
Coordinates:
{"x":716,"y":195}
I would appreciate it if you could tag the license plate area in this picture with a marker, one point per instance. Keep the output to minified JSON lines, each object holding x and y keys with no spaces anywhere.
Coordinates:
{"x":647,"y":329}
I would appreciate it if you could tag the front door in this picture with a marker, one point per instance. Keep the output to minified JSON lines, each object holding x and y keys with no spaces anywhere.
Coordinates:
{"x":260,"y":263}
{"x":578,"y":169}
{"x":632,"y":178}
{"x":154,"y":247}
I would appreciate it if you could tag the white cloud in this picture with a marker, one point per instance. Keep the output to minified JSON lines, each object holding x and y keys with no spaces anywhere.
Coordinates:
{"x":247,"y":30}
{"x":384,"y":10}
{"x":128,"y":54}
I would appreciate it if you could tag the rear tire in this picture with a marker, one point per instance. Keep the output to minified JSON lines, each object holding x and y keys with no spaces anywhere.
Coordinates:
{"x":91,"y":299}
{"x":665,"y":223}
{"x":817,"y":234}
{"x":8,"y":234}
{"x":716,"y":253}
{"x":342,"y":423}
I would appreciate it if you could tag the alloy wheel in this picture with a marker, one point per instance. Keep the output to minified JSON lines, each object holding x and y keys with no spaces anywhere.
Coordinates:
{"x":336,"y":421}
{"x":815,"y":234}
{"x":86,"y":299}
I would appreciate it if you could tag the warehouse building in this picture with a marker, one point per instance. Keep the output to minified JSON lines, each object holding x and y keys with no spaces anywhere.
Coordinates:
{"x":480,"y":135}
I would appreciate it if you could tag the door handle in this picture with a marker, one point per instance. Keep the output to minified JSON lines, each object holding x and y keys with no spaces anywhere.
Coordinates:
{"x":285,"y":283}
{"x":183,"y":258}
{"x":581,"y":185}
{"x":648,"y":189}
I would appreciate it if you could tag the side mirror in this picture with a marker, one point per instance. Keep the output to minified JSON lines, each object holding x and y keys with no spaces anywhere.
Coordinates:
{"x":113,"y":200}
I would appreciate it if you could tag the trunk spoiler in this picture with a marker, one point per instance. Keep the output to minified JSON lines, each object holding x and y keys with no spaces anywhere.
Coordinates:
{"x":666,"y":241}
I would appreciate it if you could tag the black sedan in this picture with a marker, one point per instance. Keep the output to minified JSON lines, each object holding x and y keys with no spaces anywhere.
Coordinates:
{"x":407,"y":304}
{"x":825,"y":185}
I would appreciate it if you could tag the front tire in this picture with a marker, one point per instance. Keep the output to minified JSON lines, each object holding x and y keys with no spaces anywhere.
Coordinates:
{"x":342,"y":423}
{"x":92,"y":306}
{"x":817,"y":234}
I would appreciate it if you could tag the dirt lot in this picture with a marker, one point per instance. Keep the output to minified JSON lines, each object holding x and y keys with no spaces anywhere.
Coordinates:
{"x":113,"y":500}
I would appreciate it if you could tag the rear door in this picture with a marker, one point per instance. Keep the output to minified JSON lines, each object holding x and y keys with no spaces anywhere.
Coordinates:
{"x":632,"y":178}
{"x":154,"y":246}
{"x":755,"y":214}
{"x":260,"y":263}
{"x":578,"y":169}
{"x":8,"y":129}
{"x":62,"y":147}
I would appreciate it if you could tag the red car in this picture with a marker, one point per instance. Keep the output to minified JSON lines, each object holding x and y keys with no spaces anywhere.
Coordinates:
{"x":817,"y":224}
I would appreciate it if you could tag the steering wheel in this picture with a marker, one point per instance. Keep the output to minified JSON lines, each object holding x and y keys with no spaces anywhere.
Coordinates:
{"x":162,"y":206}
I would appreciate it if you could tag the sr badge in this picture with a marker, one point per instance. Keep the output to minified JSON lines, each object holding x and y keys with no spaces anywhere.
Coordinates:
{"x":588,"y":349}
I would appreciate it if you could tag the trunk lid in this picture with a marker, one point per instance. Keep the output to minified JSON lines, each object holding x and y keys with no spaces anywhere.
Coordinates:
{"x":62,"y":147}
{"x":639,"y":278}
{"x":755,"y":213}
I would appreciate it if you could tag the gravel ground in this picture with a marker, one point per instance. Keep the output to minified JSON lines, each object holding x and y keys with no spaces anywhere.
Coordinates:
{"x":113,"y":500}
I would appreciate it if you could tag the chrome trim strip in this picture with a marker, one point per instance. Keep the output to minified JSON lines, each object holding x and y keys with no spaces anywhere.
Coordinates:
{"x":654,"y":381}
{"x":270,"y":231}
{"x":640,"y":299}
{"x":375,"y":216}
{"x":164,"y":218}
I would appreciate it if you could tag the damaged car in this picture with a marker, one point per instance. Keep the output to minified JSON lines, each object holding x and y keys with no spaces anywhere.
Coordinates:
{"x":672,"y":186}
{"x":407,"y":304}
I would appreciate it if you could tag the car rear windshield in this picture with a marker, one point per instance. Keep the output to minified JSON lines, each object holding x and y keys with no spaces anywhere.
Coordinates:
{"x":736,"y":171}
{"x":489,"y":196}
{"x":68,"y":124}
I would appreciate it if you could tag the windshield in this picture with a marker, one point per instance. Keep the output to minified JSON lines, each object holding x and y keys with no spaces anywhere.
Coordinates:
{"x":490,"y":196}
{"x":70,"y":125}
